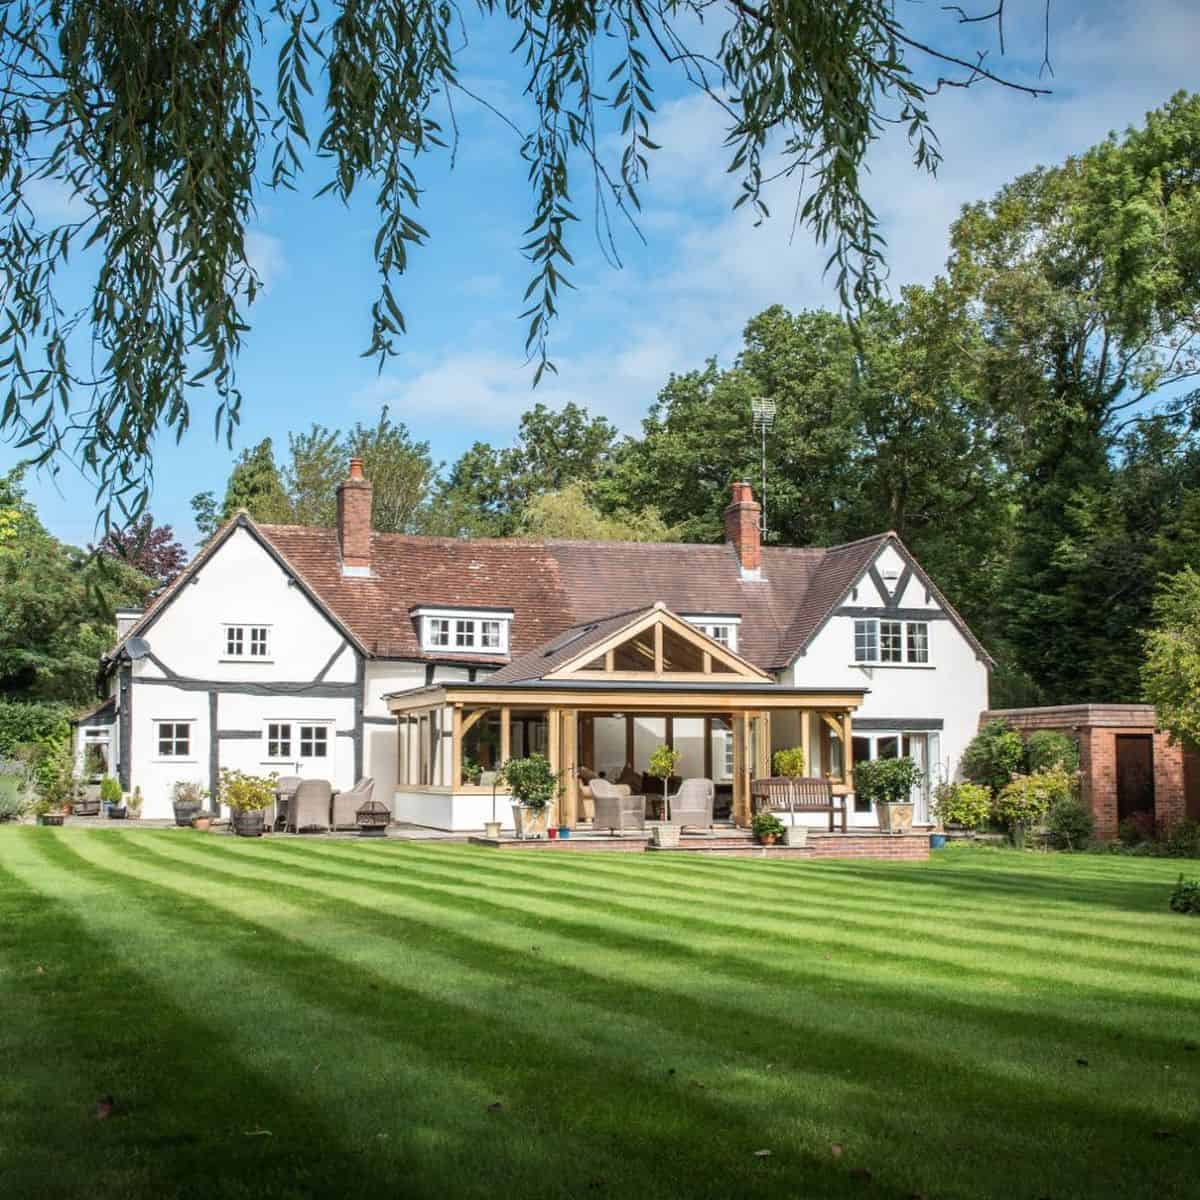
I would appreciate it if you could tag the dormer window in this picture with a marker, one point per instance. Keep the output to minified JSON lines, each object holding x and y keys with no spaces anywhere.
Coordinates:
{"x":723,"y":629}
{"x":464,"y":631}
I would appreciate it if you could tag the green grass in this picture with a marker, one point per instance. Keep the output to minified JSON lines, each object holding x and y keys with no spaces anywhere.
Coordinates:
{"x":286,"y":1018}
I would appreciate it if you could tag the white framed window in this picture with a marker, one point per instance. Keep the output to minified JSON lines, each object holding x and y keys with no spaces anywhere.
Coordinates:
{"x":173,"y":739}
{"x":314,"y":741}
{"x":918,"y":642}
{"x":885,"y":642}
{"x":720,"y":629}
{"x":464,"y":631}
{"x":248,"y":641}
{"x":279,"y":740}
{"x":296,"y":741}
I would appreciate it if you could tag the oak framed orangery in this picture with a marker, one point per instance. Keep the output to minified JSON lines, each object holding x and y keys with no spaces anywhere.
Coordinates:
{"x":601,"y":697}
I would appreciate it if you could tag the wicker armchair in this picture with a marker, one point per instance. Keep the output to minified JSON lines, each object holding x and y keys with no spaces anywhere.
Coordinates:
{"x":616,"y":810}
{"x":285,"y":790}
{"x":693,"y":803}
{"x":346,"y":804}
{"x":309,"y":807}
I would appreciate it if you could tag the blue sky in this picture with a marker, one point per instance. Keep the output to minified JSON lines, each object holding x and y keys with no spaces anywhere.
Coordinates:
{"x":684,"y":295}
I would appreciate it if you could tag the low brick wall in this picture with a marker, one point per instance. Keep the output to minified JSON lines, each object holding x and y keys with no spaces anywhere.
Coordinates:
{"x":910,"y":846}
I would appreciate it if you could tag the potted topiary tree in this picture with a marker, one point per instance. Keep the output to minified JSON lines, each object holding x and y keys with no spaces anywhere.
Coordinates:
{"x":887,"y":783}
{"x":664,"y":762}
{"x":187,"y":799}
{"x":790,"y":764}
{"x":55,"y":786}
{"x":248,"y":797}
{"x":533,"y":786}
{"x":110,"y":794}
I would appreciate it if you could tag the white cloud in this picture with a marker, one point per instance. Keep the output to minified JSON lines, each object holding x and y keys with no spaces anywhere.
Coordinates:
{"x":265,"y":255}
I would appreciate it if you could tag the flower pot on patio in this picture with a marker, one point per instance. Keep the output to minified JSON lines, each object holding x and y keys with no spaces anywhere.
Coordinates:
{"x":117,"y":814}
{"x":248,"y":822}
{"x":185,"y":812}
{"x":896,"y":817}
{"x":666,"y":837}
{"x":552,"y":833}
{"x":530,"y":822}
{"x":202,"y":822}
{"x":491,"y":829}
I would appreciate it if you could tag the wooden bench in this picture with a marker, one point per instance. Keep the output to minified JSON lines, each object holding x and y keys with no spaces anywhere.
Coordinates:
{"x":782,"y":794}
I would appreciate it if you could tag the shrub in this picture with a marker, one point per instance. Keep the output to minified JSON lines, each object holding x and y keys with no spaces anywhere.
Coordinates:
{"x":55,"y":786}
{"x":1049,"y":750}
{"x":1138,"y":827}
{"x":12,"y":791}
{"x":532,"y":783}
{"x":1028,"y":798}
{"x":886,"y":780}
{"x":188,"y":792}
{"x":965,"y":804}
{"x":1183,"y":840}
{"x":110,"y":790}
{"x":1185,"y":897}
{"x":765,"y":824}
{"x":247,"y":793}
{"x":24,"y":724}
{"x":993,"y":756}
{"x":790,"y":762}
{"x":1070,"y":824}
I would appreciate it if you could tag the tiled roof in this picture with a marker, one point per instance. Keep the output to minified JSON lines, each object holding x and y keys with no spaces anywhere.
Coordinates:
{"x":554,"y":586}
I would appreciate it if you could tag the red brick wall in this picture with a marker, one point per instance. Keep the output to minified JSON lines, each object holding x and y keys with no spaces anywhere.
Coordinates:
{"x":1170,"y":798}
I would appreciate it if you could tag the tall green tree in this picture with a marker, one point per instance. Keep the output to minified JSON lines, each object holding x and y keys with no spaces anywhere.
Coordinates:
{"x":56,"y":605}
{"x":486,"y":492}
{"x":1170,"y":672}
{"x":1086,"y":278}
{"x":256,"y":485}
{"x":154,"y":119}
{"x":569,"y":513}
{"x":878,"y":427}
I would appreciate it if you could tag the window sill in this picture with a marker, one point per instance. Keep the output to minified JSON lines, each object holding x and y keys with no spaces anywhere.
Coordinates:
{"x":890,"y":666}
{"x":176,"y":762}
{"x":266,"y":662}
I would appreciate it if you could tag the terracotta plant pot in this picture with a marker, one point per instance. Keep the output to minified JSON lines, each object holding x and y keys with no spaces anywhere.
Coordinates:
{"x":202,"y":823}
{"x":768,"y":839}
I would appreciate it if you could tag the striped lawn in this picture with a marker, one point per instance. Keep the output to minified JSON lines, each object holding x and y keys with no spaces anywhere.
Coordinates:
{"x":286,"y":1018}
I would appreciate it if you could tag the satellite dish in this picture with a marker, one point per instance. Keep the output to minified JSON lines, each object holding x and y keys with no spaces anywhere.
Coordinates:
{"x":137,"y":648}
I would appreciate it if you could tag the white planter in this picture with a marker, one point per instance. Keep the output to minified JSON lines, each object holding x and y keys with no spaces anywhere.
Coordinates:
{"x":530,"y":822}
{"x":491,"y":829}
{"x":795,"y":835}
{"x":666,"y":837}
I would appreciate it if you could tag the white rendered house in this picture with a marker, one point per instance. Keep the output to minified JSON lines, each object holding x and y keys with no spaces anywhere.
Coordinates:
{"x":320,"y":652}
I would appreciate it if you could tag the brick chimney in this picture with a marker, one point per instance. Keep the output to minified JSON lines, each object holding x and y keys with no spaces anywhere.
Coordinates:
{"x":744,"y":530}
{"x":354,"y":521}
